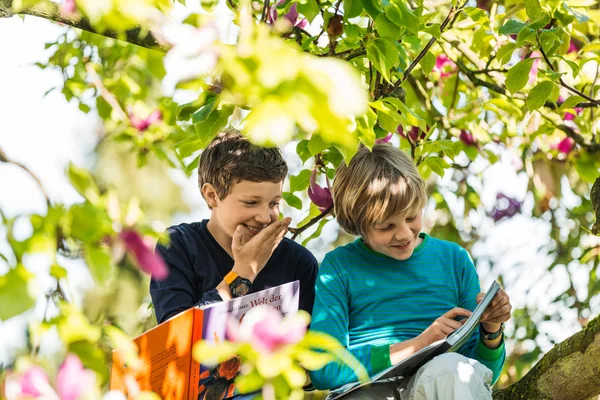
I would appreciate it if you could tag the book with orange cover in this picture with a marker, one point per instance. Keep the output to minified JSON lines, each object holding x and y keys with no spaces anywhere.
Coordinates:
{"x":166,"y":366}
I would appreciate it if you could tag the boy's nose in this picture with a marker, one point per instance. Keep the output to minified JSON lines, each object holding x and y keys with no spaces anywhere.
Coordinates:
{"x":264,"y":217}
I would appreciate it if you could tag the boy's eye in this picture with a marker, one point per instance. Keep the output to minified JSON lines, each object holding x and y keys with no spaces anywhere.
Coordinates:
{"x":274,"y":204}
{"x":249,"y":202}
{"x":386,"y":228}
{"x":411,"y":218}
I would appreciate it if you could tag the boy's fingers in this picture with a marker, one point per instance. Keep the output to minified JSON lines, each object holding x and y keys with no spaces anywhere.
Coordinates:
{"x":238,"y":237}
{"x":457,"y":311}
{"x":274,"y":228}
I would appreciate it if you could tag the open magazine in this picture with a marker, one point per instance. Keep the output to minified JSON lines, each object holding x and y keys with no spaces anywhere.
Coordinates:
{"x":409,"y":366}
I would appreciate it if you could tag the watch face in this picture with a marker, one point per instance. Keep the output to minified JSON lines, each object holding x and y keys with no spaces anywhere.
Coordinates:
{"x":241,"y":289}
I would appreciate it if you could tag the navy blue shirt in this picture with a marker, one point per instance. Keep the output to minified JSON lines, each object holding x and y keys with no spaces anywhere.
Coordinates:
{"x":197,"y":264}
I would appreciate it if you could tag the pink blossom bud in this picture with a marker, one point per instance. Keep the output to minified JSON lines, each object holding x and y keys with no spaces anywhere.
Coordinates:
{"x":444,"y":65}
{"x":385,"y":139}
{"x":73,"y":379}
{"x":147,"y":260}
{"x":467,"y":138}
{"x":321,"y":197}
{"x":566,"y":145}
{"x":141,"y":124}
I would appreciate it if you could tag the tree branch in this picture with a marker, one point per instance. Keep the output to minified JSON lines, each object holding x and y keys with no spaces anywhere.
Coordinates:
{"x":51,"y":11}
{"x":449,"y":20}
{"x":298,"y":231}
{"x":5,"y":159}
{"x":560,"y":80}
{"x":567,"y":372}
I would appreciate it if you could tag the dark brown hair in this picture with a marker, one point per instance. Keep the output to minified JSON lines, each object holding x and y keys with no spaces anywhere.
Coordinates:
{"x":231,"y":158}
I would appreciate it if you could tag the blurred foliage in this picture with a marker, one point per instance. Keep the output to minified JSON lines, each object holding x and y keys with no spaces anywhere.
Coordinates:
{"x":460,"y":86}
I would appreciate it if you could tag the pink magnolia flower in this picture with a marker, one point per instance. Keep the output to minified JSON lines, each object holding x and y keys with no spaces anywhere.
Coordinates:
{"x":147,"y":260}
{"x":34,"y":382}
{"x":573,"y":47}
{"x":385,"y":139}
{"x":321,"y":197}
{"x":291,"y":16}
{"x":506,"y":207}
{"x":444,"y":65}
{"x":415,"y":134}
{"x":68,"y":7}
{"x":565,"y":146}
{"x":141,"y":124}
{"x":73,"y":379}
{"x":570,"y":116}
{"x":266,"y":330}
{"x":467,"y":138}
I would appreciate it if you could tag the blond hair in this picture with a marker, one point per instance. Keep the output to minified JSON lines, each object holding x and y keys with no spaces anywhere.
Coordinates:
{"x":375,"y":186}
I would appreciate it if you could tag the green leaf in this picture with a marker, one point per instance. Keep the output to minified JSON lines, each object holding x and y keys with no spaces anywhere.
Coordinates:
{"x":302,"y":150}
{"x":316,"y":233}
{"x":477,"y":15}
{"x":316,"y":144}
{"x":292,"y":200}
{"x":512,"y":27}
{"x":539,"y":23}
{"x":434,"y":30}
{"x":202,"y":114}
{"x":192,"y":166}
{"x":571,"y":102}
{"x":310,"y":9}
{"x":427,"y":63}
{"x":437,"y":165}
{"x":533,"y":9}
{"x":387,"y":28}
{"x":383,"y":54}
{"x":99,"y":262}
{"x":505,"y":53}
{"x":403,"y":16}
{"x":527,"y":35}
{"x":213,"y":124}
{"x":14,"y":292}
{"x":539,"y":94}
{"x":572,"y":64}
{"x":301,"y":181}
{"x":372,"y":7}
{"x":184,"y":111}
{"x":352,"y":8}
{"x":519,"y":75}
{"x":83,"y":182}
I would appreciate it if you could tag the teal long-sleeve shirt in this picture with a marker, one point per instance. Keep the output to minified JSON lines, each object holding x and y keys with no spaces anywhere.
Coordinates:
{"x":367,"y":301}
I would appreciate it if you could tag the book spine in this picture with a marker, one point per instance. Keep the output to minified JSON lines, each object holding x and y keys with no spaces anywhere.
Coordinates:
{"x":194,"y":365}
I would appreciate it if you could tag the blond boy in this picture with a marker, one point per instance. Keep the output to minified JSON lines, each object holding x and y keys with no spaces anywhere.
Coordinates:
{"x":395,"y":289}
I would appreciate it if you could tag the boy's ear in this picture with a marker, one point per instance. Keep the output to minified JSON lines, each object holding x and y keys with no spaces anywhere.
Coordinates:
{"x":210,"y":195}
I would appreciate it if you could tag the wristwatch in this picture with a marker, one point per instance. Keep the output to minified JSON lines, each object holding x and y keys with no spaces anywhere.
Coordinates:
{"x":491,"y":335}
{"x":239,"y":286}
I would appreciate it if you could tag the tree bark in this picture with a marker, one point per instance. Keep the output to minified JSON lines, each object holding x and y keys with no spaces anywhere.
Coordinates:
{"x":570,"y":371}
{"x":51,"y":11}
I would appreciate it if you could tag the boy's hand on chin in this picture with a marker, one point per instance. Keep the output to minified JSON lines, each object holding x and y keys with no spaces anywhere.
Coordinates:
{"x":250,"y":256}
{"x":497,"y":312}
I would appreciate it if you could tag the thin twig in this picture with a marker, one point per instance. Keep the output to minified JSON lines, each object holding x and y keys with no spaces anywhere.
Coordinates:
{"x":5,"y":159}
{"x":449,"y":20}
{"x":265,"y":9}
{"x":560,"y":80}
{"x":298,"y":231}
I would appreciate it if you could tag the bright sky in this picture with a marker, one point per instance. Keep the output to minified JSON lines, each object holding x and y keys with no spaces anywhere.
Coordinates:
{"x":45,"y":133}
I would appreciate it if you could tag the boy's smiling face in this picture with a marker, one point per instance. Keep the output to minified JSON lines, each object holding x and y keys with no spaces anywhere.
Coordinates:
{"x":254,"y":205}
{"x":398,"y":236}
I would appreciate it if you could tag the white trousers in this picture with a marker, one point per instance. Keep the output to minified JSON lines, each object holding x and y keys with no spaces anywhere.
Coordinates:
{"x":450,"y":376}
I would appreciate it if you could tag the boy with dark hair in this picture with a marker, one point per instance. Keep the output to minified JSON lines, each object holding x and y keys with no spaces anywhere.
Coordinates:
{"x":241,"y":248}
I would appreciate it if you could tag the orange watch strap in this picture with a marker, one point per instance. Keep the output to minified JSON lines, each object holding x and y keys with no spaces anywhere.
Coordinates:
{"x":230,"y":277}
